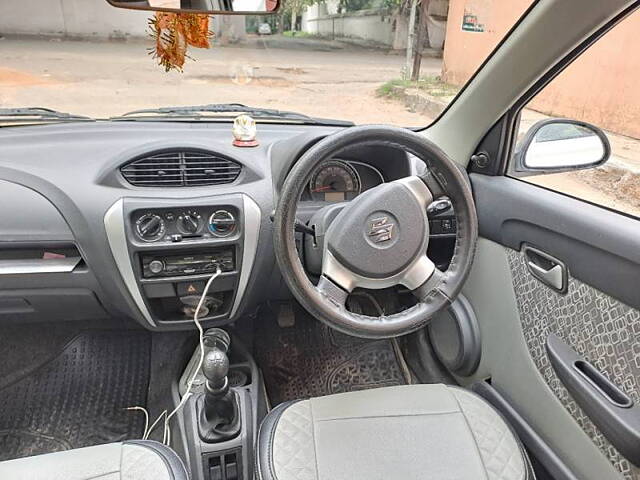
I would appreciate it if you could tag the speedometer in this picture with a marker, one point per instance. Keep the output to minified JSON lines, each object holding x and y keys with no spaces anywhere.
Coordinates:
{"x":334,"y":181}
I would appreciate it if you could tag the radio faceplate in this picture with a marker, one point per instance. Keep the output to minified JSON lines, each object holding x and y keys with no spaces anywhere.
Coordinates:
{"x":161,"y":265}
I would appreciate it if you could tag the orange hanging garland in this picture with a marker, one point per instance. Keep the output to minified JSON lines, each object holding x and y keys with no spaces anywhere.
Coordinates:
{"x":174,"y":33}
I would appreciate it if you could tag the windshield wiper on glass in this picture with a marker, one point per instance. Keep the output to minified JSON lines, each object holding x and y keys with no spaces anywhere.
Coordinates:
{"x":201,"y":111}
{"x":37,"y":114}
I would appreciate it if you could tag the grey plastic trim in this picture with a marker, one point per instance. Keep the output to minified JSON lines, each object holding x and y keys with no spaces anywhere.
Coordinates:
{"x":610,"y":409}
{"x":507,"y":360}
{"x":29,"y":216}
{"x":34,"y":266}
{"x":528,"y":436}
{"x":418,"y":188}
{"x":117,"y":237}
{"x":460,"y":321}
{"x":366,"y":165}
{"x":252,"y":218}
{"x":412,"y":277}
{"x":598,"y":246}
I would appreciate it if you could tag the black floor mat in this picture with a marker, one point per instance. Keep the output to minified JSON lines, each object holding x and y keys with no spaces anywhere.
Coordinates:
{"x":311,"y":360}
{"x":78,"y":397}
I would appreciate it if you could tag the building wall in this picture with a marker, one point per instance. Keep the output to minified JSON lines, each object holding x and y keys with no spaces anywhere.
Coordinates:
{"x":600,"y":87}
{"x":370,"y":25}
{"x":74,"y":18}
{"x":93,"y":19}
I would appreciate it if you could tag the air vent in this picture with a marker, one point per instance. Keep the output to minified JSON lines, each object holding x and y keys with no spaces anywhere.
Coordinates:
{"x":190,"y":168}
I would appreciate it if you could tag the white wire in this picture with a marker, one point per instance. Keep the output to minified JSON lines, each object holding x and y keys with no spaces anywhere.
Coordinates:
{"x":146,"y":419}
{"x":166,"y":435}
{"x":154,"y":425}
{"x":188,"y":393}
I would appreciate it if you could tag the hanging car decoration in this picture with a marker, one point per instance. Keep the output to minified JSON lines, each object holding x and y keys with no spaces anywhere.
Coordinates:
{"x":174,"y":33}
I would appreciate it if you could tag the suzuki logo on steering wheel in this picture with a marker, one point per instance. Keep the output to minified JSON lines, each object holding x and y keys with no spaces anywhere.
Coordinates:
{"x":381,"y":230}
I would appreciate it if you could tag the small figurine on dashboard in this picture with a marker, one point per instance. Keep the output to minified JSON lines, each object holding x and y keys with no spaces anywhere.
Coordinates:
{"x":244,"y":131}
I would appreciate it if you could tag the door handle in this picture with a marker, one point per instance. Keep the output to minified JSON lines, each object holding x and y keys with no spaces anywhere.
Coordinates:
{"x":546,"y":268}
{"x":552,"y":277}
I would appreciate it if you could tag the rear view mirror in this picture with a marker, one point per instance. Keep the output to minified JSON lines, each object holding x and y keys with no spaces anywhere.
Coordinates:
{"x":561,"y":145}
{"x":219,"y":7}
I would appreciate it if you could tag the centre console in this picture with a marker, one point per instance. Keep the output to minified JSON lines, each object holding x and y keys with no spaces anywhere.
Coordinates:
{"x":167,"y":249}
{"x":220,"y":419}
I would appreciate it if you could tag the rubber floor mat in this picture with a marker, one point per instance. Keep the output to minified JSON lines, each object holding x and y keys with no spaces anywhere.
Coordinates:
{"x":311,"y":360}
{"x":78,"y":398}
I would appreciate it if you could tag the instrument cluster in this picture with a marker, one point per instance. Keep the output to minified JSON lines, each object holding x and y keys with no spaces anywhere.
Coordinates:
{"x":340,"y":180}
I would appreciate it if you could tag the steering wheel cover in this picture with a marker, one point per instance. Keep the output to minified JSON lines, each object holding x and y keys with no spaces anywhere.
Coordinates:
{"x":437,"y":293}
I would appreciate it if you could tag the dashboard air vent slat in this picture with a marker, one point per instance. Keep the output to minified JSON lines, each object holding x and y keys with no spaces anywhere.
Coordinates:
{"x":181,"y":169}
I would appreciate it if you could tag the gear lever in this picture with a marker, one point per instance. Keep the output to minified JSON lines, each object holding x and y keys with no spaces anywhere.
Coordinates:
{"x":219,"y":412}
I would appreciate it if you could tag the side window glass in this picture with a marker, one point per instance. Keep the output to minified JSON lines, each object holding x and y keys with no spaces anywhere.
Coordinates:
{"x":581,"y":134}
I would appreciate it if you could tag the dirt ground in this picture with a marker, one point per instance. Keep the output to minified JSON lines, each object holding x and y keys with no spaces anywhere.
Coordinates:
{"x":105,"y":78}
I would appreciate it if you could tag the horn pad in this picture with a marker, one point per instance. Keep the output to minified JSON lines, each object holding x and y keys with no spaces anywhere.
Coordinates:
{"x":380,"y":233}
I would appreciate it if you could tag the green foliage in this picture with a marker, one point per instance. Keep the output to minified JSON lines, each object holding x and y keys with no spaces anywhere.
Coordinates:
{"x":344,"y":6}
{"x":433,"y":86}
{"x":392,"y":4}
{"x":355,"y":5}
{"x":296,"y":6}
{"x":289,"y":33}
{"x":251,"y":23}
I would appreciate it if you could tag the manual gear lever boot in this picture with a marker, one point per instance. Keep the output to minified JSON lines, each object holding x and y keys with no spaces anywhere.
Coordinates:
{"x":218,"y":408}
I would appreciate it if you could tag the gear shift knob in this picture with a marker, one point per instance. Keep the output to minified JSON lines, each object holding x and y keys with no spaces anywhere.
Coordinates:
{"x":219,"y":417}
{"x":215,"y":366}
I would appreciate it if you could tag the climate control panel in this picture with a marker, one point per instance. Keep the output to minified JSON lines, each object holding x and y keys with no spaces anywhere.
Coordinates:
{"x":184,"y":224}
{"x":174,"y":246}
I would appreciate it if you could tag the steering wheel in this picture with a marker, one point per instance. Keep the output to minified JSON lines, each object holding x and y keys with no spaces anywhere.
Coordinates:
{"x":380,"y":238}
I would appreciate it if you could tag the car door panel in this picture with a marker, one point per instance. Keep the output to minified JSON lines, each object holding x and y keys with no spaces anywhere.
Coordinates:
{"x":599,"y":247}
{"x":593,"y":323}
{"x":506,"y":360}
{"x":597,"y":317}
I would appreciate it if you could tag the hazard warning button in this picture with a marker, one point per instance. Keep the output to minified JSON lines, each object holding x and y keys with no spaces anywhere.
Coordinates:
{"x":190,"y":288}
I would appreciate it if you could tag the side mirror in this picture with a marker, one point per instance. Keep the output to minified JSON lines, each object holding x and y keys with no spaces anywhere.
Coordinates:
{"x":561,"y":145}
{"x":218,"y":7}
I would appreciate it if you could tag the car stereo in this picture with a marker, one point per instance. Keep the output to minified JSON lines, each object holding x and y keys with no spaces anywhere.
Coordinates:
{"x":159,"y":265}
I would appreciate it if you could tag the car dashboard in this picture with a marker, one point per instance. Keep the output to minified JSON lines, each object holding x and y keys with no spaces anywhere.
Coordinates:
{"x":129,"y":219}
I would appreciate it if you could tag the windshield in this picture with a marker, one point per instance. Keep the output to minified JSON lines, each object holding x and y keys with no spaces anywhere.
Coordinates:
{"x":345,"y":59}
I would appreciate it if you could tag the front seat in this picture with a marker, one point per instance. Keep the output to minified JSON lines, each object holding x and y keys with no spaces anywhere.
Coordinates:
{"x":130,"y":460}
{"x":415,"y":431}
